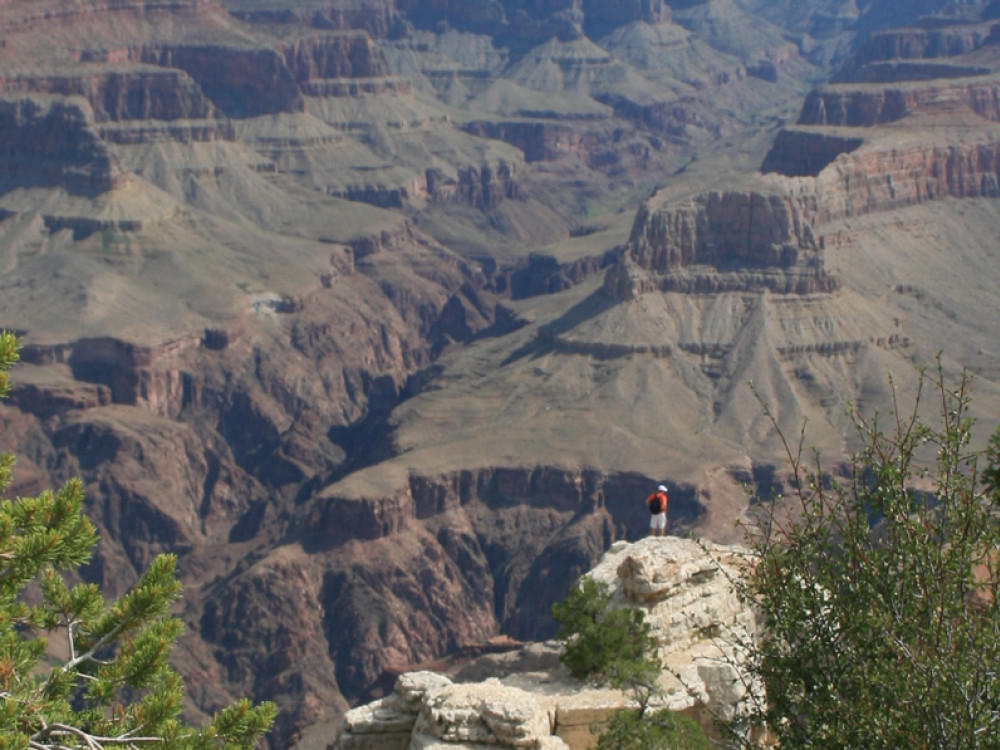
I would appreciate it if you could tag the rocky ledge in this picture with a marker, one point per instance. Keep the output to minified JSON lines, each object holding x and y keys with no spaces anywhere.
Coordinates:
{"x":528,"y":699}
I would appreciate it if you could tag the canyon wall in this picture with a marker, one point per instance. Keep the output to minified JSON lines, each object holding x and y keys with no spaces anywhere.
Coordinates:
{"x":847,"y":106}
{"x":771,"y":240}
{"x":351,"y":55}
{"x":123,"y":94}
{"x":800,"y":152}
{"x":723,"y":241}
{"x":377,"y":17}
{"x":912,"y":43}
{"x":50,"y":142}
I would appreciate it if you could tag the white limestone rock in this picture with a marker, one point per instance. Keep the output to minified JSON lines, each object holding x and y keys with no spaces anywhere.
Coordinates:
{"x":698,"y":620}
{"x":484,"y":713}
{"x":384,"y":715}
{"x":411,"y":687}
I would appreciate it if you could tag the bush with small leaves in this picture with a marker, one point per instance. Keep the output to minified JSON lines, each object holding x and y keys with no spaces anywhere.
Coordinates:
{"x":615,"y":646}
{"x":599,"y":639}
{"x":879,"y":590}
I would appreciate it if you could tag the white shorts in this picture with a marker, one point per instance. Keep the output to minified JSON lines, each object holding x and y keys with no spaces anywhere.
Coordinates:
{"x":659,"y":521}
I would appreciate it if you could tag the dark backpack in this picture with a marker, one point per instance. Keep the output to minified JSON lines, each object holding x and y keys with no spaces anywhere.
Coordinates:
{"x":655,"y":504}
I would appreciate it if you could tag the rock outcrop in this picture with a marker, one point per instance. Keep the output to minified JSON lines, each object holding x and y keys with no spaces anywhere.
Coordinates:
{"x":349,"y":55}
{"x":52,"y":142}
{"x":799,"y":152}
{"x":847,"y":105}
{"x":687,"y":597}
{"x":773,"y":240}
{"x":723,"y":242}
{"x":914,"y":43}
{"x":117,"y":94}
{"x":519,"y":20}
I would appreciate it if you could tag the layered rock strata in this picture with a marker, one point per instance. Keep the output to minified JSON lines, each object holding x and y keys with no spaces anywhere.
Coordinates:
{"x":722,"y":241}
{"x":377,"y":17}
{"x":50,"y":141}
{"x":686,"y":595}
{"x":118,"y":94}
{"x":520,"y":21}
{"x":730,"y":241}
{"x":912,"y":44}
{"x":352,"y":55}
{"x":847,"y":105}
{"x":799,"y":152}
{"x":857,"y":148}
{"x":18,"y":17}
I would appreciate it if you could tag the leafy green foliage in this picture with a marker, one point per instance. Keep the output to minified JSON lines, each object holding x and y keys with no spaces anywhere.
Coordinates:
{"x":112,"y":686}
{"x":880,"y":591}
{"x":615,"y":645}
{"x":659,"y":730}
{"x":600,"y":640}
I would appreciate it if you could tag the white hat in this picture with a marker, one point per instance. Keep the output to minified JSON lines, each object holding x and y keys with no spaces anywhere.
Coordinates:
{"x":661,"y":488}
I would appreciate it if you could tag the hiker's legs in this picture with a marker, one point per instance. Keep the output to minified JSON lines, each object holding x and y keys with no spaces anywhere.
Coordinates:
{"x":657,"y":524}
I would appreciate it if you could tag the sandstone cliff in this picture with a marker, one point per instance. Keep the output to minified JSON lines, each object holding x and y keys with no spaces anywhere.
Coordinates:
{"x":760,"y":240}
{"x":773,"y":240}
{"x":530,"y":700}
{"x":847,"y":105}
{"x":915,"y":43}
{"x":52,"y":142}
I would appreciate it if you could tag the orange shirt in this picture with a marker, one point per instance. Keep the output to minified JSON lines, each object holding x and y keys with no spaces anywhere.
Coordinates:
{"x":659,"y":496}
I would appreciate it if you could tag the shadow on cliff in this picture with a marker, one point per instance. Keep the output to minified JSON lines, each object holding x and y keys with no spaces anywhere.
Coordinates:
{"x":592,"y":306}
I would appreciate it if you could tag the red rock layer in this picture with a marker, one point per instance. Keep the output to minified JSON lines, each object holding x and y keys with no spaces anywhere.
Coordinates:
{"x":123,"y":94}
{"x":867,"y":107}
{"x":335,"y":56}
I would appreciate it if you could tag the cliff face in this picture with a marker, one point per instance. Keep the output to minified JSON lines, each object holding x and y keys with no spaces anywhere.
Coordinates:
{"x":377,"y":17}
{"x":53,"y":142}
{"x":801,"y":153}
{"x":718,"y":228}
{"x":123,"y":94}
{"x":770,"y":240}
{"x":351,"y":55}
{"x":746,"y":241}
{"x":684,"y":594}
{"x":20,"y":18}
{"x":866,"y":182}
{"x":435,"y":569}
{"x":241,"y":82}
{"x":540,"y":141}
{"x":846,"y":106}
{"x":912,"y":43}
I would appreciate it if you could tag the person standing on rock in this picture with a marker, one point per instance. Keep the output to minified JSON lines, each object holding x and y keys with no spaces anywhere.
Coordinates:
{"x":657,"y":504}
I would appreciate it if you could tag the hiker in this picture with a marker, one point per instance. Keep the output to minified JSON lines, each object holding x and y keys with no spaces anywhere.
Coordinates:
{"x":657,"y":504}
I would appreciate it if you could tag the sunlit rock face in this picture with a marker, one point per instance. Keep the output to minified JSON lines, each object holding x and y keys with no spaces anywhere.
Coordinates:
{"x":686,"y":591}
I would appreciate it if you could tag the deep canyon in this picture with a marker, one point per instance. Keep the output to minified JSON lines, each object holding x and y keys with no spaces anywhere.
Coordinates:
{"x":386,"y":315}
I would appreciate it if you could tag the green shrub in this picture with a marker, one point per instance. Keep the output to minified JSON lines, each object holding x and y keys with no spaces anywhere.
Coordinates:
{"x":658,"y":730}
{"x":615,"y":646}
{"x":599,"y":639}
{"x":880,"y":590}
